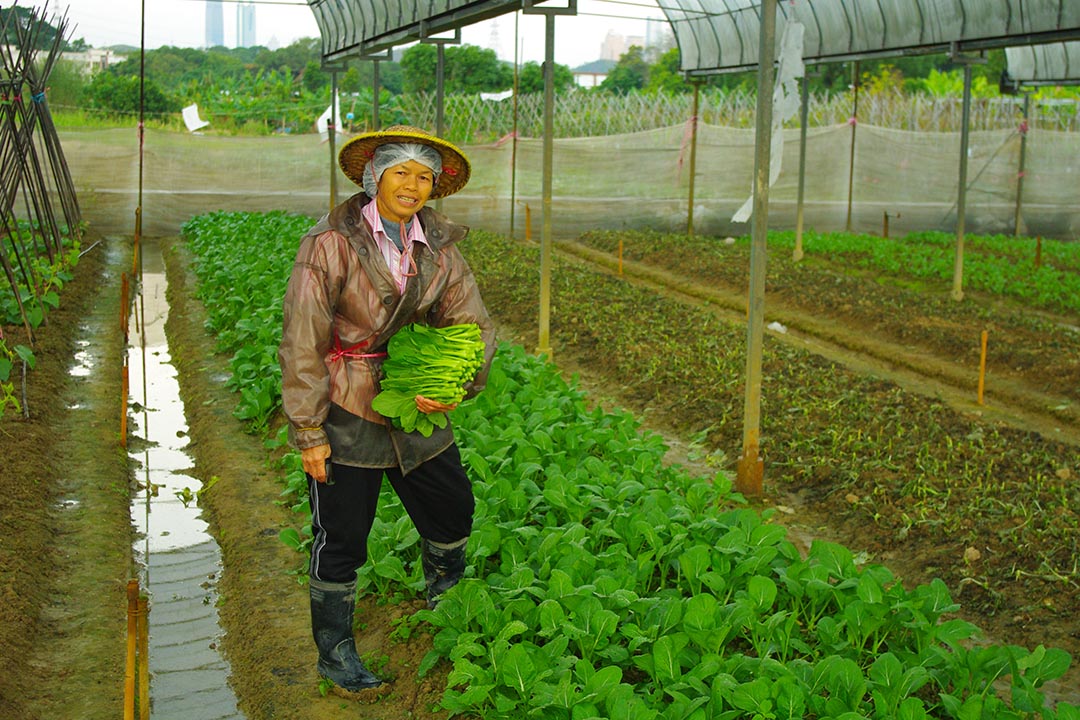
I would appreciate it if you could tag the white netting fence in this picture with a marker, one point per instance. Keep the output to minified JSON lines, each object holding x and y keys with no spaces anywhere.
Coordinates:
{"x":619,"y":181}
{"x":469,"y":118}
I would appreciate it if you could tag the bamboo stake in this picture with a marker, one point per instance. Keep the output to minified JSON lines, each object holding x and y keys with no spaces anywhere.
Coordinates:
{"x":982,"y":366}
{"x":144,"y":657}
{"x":132,"y":647}
{"x":528,"y":223}
{"x":123,"y":405}
{"x":124,"y":305}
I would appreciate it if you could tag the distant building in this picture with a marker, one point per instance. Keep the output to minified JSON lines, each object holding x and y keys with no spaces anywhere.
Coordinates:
{"x":215,"y":24}
{"x":659,"y":38}
{"x":92,"y":60}
{"x":245,"y":25}
{"x":592,"y":74}
{"x":616,"y":45}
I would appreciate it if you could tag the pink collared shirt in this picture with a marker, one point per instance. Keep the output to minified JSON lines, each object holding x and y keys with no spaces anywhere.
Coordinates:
{"x":398,"y":262}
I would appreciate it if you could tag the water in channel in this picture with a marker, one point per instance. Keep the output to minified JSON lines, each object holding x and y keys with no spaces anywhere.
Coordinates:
{"x":179,"y":559}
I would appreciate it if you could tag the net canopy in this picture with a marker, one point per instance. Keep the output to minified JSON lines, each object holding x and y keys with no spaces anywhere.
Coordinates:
{"x":1049,"y":64}
{"x":723,"y":35}
{"x":352,"y":28}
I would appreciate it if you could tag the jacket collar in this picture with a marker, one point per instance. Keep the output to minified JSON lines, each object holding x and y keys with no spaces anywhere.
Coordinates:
{"x":439,"y":230}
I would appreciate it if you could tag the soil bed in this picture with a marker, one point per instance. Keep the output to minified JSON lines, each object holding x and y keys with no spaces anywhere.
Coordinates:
{"x":64,"y":569}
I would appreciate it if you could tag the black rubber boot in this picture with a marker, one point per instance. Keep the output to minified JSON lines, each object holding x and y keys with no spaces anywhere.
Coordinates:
{"x":443,"y":568}
{"x":332,"y":607}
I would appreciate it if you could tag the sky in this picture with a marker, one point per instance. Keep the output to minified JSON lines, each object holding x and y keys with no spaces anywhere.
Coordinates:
{"x":181,"y":23}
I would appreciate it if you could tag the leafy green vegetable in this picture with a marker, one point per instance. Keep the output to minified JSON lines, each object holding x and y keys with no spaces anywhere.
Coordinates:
{"x":433,"y":362}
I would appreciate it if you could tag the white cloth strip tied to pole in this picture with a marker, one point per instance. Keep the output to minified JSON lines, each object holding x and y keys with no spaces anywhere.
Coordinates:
{"x":497,"y":96}
{"x":192,"y":119}
{"x":324,"y":120}
{"x":785,"y":103}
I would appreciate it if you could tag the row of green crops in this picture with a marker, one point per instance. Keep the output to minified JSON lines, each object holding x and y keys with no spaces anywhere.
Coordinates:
{"x":908,"y":469}
{"x":611,"y":586}
{"x":1013,"y":267}
{"x":8,"y":358}
{"x":36,"y":276}
{"x":999,"y":264}
{"x":607,"y":585}
{"x":242,"y":262}
{"x":831,"y":291}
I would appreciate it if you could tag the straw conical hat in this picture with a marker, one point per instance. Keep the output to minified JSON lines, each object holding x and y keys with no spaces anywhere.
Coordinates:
{"x":356,"y":153}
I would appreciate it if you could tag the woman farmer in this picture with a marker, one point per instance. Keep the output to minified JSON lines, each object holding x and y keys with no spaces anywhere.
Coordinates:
{"x":375,"y":263}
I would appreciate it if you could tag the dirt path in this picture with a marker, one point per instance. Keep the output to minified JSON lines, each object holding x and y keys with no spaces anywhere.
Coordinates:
{"x":65,"y":546}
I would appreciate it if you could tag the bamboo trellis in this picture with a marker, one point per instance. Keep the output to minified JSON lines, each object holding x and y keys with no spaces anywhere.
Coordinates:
{"x":470,"y":118}
{"x":34,"y":175}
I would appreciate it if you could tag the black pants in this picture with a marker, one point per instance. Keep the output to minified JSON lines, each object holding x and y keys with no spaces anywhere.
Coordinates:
{"x":437,"y":495}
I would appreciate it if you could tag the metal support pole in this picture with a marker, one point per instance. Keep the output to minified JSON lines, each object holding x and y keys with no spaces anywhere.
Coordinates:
{"x":1024,"y":127}
{"x":804,"y":114}
{"x":693,"y":160}
{"x":961,"y":198}
{"x":544,"y":344}
{"x":440,"y":73}
{"x":749,"y":479}
{"x":331,"y":135}
{"x":514,"y":131}
{"x":851,"y":161}
{"x":375,"y":91}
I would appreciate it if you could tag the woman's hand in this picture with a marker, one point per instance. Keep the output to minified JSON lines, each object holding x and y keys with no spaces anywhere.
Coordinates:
{"x":314,"y":459}
{"x":427,"y":406}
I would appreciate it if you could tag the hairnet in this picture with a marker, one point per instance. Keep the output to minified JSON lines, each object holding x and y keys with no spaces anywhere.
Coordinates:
{"x":391,"y":154}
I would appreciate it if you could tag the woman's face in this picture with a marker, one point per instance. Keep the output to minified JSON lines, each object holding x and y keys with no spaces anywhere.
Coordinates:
{"x":403,"y":190}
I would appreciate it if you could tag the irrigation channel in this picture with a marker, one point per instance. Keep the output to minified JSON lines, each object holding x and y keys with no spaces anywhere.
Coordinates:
{"x":179,"y":559}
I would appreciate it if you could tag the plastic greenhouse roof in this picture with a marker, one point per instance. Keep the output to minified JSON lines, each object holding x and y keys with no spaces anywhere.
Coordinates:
{"x":722,"y":35}
{"x":1050,"y":64}
{"x":351,"y":28}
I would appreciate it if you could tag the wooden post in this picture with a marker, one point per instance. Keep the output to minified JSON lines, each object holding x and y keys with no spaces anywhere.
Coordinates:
{"x":528,"y":223}
{"x":693,"y":160}
{"x":750,"y":469}
{"x":982,"y":366}
{"x":851,"y":157}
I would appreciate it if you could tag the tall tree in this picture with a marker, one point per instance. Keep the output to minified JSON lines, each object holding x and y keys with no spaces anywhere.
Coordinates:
{"x":469,"y":69}
{"x":666,"y":76}
{"x":474,"y":70}
{"x":315,"y":80}
{"x":418,"y":68}
{"x":630,"y":73}
{"x":121,"y":94}
{"x":531,"y":78}
{"x":22,"y":16}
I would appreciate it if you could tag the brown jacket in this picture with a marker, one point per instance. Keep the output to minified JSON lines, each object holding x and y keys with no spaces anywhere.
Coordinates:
{"x":340,"y":283}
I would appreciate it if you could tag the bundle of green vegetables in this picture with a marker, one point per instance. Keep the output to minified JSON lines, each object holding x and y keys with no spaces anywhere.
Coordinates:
{"x":428,"y":361}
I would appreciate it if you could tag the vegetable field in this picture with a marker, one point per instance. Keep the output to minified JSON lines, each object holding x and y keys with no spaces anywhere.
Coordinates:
{"x":36,"y":266}
{"x":606,"y":583}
